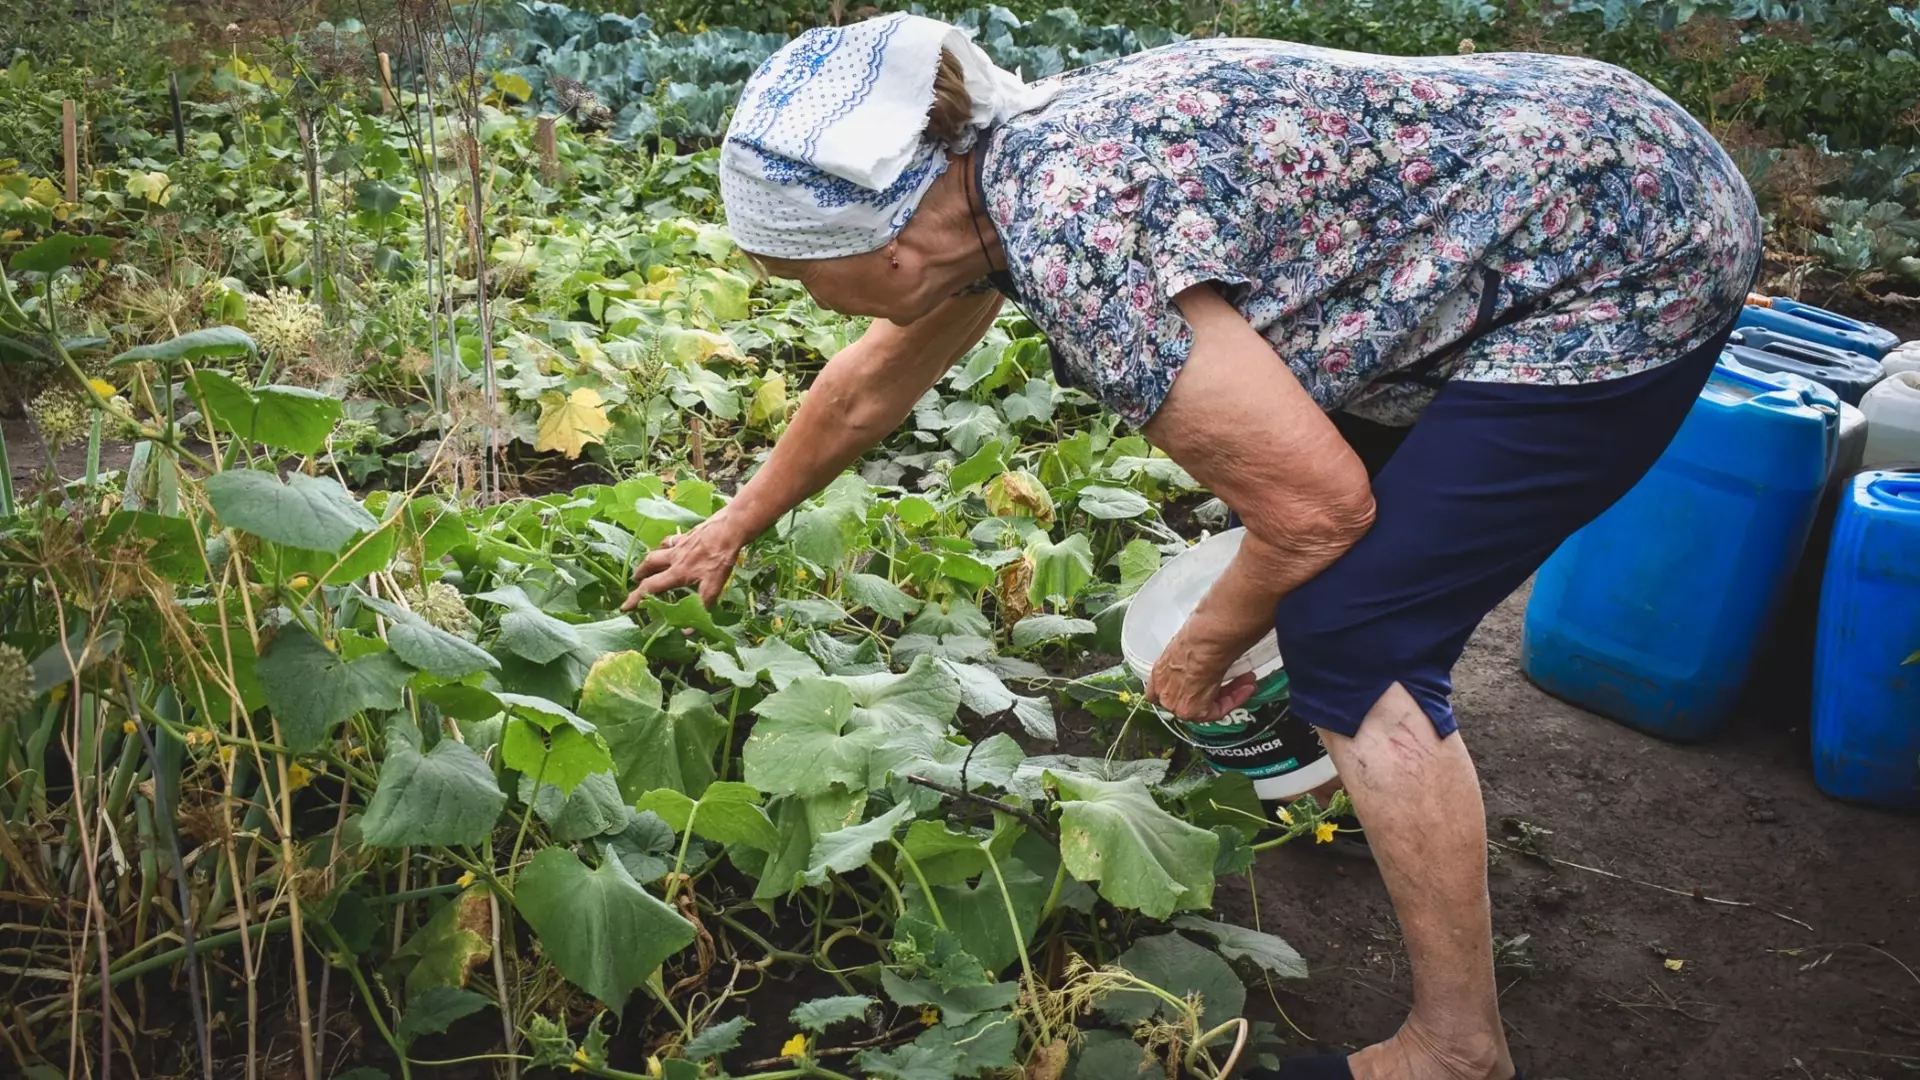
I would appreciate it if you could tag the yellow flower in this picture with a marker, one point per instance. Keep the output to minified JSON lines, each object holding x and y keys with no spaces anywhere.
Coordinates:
{"x":300,"y":581}
{"x":929,"y":1016}
{"x":298,"y":776}
{"x":794,"y":1047}
{"x":654,"y":1068}
{"x":1126,"y":697}
{"x":1675,"y":965}
{"x":465,"y":879}
{"x":1323,"y":832}
{"x":226,"y":756}
{"x":581,"y":1057}
{"x":130,"y":728}
{"x":102,"y":387}
{"x":1286,"y":816}
{"x":803,"y":575}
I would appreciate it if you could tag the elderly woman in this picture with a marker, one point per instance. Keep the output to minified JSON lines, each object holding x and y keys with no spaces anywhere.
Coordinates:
{"x":1415,"y":320}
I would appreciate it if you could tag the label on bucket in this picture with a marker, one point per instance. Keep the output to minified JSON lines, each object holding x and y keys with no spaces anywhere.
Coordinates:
{"x":1261,"y":738}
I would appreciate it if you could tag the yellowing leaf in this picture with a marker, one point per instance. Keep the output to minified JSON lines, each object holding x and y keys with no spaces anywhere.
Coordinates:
{"x":155,"y":187}
{"x":688,"y":347}
{"x":769,"y":404}
{"x":44,"y":192}
{"x":568,"y":424}
{"x":514,"y":86}
{"x":1020,"y":494}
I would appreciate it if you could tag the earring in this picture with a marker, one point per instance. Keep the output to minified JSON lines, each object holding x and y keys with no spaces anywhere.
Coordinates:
{"x":893,"y":254}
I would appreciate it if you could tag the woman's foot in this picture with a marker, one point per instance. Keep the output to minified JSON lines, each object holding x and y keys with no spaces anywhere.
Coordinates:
{"x":1414,"y":1055}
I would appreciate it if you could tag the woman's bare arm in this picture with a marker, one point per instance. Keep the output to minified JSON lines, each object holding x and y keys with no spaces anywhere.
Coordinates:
{"x":861,"y":395}
{"x":1241,"y":423}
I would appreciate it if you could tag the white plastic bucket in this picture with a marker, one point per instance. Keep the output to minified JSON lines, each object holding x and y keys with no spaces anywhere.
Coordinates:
{"x":1281,"y":754}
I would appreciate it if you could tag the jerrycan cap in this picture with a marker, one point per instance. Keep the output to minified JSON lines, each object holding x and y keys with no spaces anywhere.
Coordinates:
{"x":1168,"y":599}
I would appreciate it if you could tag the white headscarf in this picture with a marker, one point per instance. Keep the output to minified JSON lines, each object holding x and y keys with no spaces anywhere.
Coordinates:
{"x":828,"y":152}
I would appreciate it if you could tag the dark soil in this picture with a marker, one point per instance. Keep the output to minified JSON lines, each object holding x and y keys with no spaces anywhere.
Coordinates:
{"x":1739,"y":819}
{"x":27,"y":456}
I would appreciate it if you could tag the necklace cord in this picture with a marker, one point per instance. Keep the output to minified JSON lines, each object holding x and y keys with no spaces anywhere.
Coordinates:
{"x":973,"y":177}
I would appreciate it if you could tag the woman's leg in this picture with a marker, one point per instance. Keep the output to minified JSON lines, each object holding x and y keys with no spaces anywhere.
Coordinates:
{"x":1488,"y":483}
{"x":1419,"y":798}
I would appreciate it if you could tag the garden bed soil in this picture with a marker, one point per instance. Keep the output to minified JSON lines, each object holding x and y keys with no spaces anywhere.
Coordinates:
{"x":1756,"y":997}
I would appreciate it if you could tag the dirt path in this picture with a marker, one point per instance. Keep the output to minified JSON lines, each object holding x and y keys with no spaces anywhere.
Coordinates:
{"x":1757,"y":997}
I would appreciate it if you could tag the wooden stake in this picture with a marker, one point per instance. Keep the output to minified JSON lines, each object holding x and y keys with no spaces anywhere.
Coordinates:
{"x":386,"y":83}
{"x":545,"y":141}
{"x":70,"y":145}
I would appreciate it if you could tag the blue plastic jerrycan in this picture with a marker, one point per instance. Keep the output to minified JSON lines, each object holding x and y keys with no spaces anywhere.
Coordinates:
{"x":1653,"y":613}
{"x":1809,"y":323}
{"x":1866,"y":696}
{"x":1849,"y":373}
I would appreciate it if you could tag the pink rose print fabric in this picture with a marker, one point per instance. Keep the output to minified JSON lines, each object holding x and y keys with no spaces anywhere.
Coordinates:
{"x":1349,"y":206}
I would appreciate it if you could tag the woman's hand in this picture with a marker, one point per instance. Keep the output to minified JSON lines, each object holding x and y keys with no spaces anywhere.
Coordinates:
{"x":1186,"y":681}
{"x":703,"y":557}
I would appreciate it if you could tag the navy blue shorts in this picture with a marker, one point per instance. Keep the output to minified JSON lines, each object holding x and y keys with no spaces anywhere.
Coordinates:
{"x":1473,"y":498}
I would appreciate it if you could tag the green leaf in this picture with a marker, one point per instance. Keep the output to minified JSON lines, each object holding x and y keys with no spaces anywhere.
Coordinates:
{"x":687,"y":613}
{"x":645,"y":847}
{"x":1178,"y":966}
{"x":1111,"y":503}
{"x":594,"y":808}
{"x":716,"y":1039}
{"x":801,"y":745}
{"x":1035,"y":629}
{"x":886,"y":599}
{"x":564,"y":759}
{"x":983,"y":466}
{"x":801,"y":821}
{"x":1109,"y":1055}
{"x":61,"y":250}
{"x":954,"y":631}
{"x":923,"y":698}
{"x":780,"y":662}
{"x":311,"y":689}
{"x":982,"y":1046}
{"x":822,"y":1013}
{"x":445,"y":797}
{"x":603,"y":931}
{"x":1144,"y":858}
{"x":957,"y":1005}
{"x":311,"y":512}
{"x":945,"y":857}
{"x":428,"y":647}
{"x":651,"y":748}
{"x":977,"y":914}
{"x":1060,"y":570}
{"x":845,"y":850}
{"x":1265,"y":951}
{"x":288,"y":417}
{"x":1139,"y":560}
{"x":527,"y":631}
{"x":727,"y":813}
{"x":922,"y":948}
{"x":215,"y":341}
{"x":909,"y":1062}
{"x":930,"y":756}
{"x":435,"y":1010}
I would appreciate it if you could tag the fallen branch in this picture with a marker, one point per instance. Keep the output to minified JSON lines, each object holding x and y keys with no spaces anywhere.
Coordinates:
{"x":1033,"y":820}
{"x":1694,"y":894}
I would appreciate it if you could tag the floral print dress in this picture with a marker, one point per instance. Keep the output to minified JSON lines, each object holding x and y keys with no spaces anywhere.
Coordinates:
{"x":1351,"y":207}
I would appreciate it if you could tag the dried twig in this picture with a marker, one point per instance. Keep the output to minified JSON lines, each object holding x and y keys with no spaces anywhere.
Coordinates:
{"x":1033,"y":820}
{"x":1691,"y":894}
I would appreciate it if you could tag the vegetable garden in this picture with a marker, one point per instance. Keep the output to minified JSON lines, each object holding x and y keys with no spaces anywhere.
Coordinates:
{"x":365,"y":359}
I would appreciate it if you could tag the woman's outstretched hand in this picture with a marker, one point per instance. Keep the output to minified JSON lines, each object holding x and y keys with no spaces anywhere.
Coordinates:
{"x":703,"y":557}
